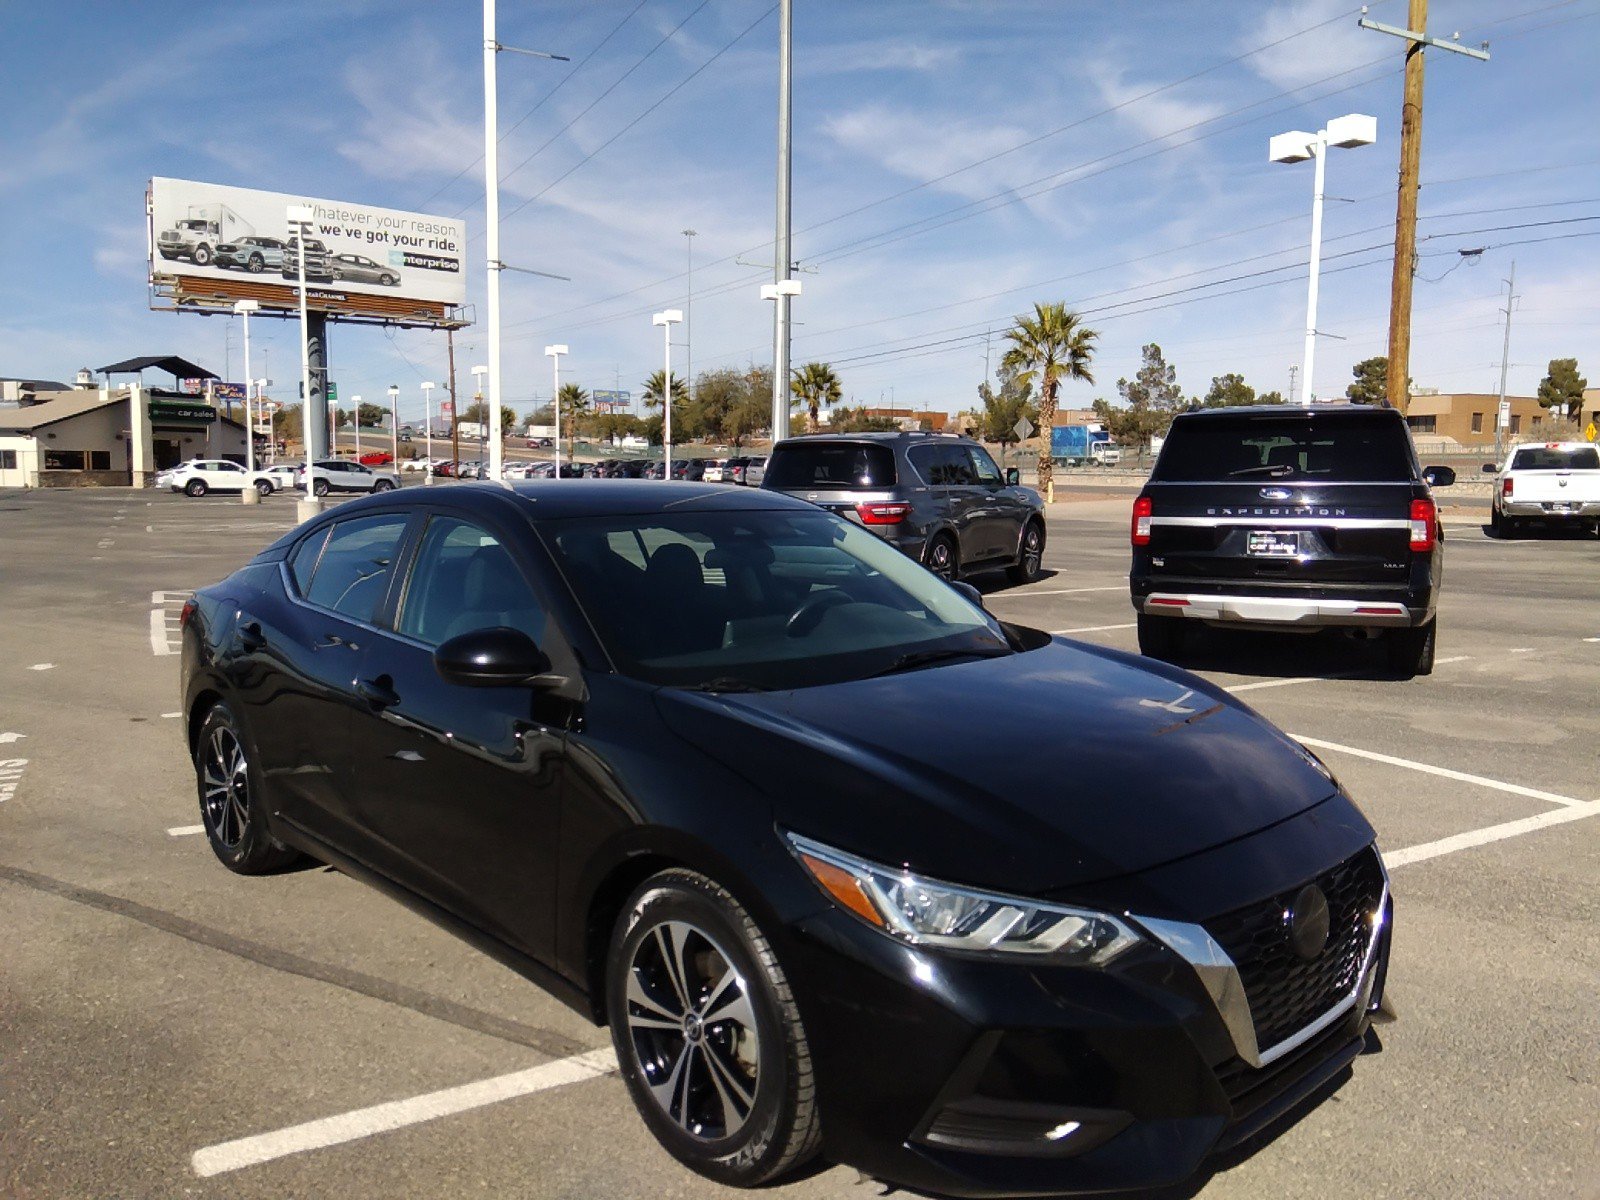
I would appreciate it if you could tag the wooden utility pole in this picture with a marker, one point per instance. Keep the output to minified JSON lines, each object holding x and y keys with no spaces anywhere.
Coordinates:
{"x":455,"y":413}
{"x":1405,"y":221}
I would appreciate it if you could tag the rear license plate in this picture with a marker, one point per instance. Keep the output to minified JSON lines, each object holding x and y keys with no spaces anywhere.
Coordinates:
{"x":1559,"y":507}
{"x":1272,"y":544}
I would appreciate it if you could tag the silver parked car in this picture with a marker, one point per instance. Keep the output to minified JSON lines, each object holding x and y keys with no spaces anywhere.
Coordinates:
{"x":356,"y":269}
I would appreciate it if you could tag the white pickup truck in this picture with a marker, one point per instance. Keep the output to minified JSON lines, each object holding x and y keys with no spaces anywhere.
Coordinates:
{"x":1556,"y":483}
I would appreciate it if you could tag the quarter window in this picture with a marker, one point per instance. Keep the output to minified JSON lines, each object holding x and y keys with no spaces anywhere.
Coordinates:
{"x":464,"y":579}
{"x":352,"y":572}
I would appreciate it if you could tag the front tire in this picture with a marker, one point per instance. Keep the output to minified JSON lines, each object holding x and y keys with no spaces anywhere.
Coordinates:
{"x":320,"y":487}
{"x":264,"y":487}
{"x":1030,"y":558}
{"x":202,"y":256}
{"x":195,"y":487}
{"x":256,"y":264}
{"x":707,"y":1033}
{"x":383,"y":485}
{"x":1160,"y":637}
{"x":229,"y":799}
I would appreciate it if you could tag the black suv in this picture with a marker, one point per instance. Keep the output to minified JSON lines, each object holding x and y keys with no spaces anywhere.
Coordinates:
{"x":939,"y":498}
{"x":1279,"y":517}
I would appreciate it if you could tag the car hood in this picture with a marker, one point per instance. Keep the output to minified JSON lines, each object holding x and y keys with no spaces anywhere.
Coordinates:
{"x":1044,"y":770}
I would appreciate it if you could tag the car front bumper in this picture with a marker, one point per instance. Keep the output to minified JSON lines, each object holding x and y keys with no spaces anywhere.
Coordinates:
{"x":972,"y":1077}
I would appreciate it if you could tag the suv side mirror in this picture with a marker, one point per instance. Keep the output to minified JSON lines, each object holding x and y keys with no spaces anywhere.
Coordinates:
{"x":1491,"y":469}
{"x":1439,"y":476}
{"x":1013,"y":477}
{"x":494,"y":657}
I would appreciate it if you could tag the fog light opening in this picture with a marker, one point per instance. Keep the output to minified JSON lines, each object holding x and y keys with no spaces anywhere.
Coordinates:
{"x":1065,"y":1129}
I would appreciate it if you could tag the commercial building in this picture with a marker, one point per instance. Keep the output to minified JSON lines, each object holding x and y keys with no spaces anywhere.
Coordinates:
{"x":90,"y":435}
{"x":1469,"y":418}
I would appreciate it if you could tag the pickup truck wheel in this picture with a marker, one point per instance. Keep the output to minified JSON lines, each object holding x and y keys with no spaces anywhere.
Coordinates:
{"x":1411,"y":650}
{"x":1161,"y":637}
{"x":1497,"y":525}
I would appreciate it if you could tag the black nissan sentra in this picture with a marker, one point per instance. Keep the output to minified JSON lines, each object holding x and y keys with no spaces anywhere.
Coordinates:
{"x":848,"y":865}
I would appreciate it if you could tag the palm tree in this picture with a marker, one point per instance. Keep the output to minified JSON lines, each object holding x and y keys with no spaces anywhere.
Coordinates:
{"x":1051,"y":345}
{"x":574,"y":403}
{"x":815,"y":386}
{"x":652,"y":390}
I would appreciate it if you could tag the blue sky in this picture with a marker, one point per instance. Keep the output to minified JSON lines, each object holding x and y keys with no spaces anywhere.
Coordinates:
{"x":1126,"y":150}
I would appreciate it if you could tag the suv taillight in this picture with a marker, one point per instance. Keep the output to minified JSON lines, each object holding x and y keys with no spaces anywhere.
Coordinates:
{"x":878,"y":513}
{"x":1424,"y":524}
{"x":1142,"y":508}
{"x":1505,"y":486}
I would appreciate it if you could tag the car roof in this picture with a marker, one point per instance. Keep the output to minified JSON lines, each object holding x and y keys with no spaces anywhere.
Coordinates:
{"x":1553,"y":446}
{"x":875,"y":436}
{"x":1289,"y":412}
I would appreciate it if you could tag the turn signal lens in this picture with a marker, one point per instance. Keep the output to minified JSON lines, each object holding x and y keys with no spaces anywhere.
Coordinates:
{"x":1142,"y":509}
{"x":925,"y":912}
{"x":1424,"y":524}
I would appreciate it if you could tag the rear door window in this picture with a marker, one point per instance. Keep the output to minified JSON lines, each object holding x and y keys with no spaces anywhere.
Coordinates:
{"x":1551,"y":458}
{"x":1354,"y":449}
{"x":832,"y":466}
{"x":352,"y":572}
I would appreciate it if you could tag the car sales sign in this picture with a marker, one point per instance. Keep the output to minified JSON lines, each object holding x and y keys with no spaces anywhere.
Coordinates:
{"x":212,"y":245}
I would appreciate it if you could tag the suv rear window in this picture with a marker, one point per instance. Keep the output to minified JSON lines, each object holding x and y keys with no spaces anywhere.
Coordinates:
{"x":1353,"y":449}
{"x":856,"y":466}
{"x":1548,"y":458}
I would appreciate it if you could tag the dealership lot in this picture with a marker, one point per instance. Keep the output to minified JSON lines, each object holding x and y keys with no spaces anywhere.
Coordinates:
{"x":170,"y":1029}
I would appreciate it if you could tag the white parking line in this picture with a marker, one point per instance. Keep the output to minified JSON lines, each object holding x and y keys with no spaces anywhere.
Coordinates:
{"x":1272,"y":683}
{"x":381,"y":1118}
{"x":1091,"y":629}
{"x":185,"y":830}
{"x":1575,"y":811}
{"x":158,"y":633}
{"x":1515,"y":789}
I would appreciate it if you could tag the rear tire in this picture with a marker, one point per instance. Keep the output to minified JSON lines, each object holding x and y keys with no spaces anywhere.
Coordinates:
{"x":195,"y":487}
{"x":230,"y":799}
{"x":942,"y":558}
{"x":1411,"y":650}
{"x":264,"y":487}
{"x":1497,"y":524}
{"x":320,"y":487}
{"x":1030,"y":557}
{"x":707,"y":1033}
{"x":1161,"y":637}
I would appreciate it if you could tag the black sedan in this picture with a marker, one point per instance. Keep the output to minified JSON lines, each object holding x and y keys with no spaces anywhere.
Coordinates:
{"x":847,"y":864}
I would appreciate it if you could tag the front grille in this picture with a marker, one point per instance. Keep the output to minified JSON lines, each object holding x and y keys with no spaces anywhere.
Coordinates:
{"x":1285,"y":992}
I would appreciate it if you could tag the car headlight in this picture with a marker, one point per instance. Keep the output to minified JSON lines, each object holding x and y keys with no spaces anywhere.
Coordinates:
{"x":926,"y":912}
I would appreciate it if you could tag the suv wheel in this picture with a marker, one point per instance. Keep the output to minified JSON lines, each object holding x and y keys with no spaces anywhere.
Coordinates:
{"x":320,"y":487}
{"x":195,"y":487}
{"x":1411,"y":650}
{"x":941,"y":558}
{"x":264,"y":486}
{"x":1030,"y":560}
{"x":382,"y":485}
{"x":234,"y":822}
{"x":256,"y":264}
{"x":707,"y":1033}
{"x":1160,"y":637}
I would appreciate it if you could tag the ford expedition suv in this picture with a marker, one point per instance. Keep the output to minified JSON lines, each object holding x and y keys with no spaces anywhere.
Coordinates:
{"x":1290,"y":518}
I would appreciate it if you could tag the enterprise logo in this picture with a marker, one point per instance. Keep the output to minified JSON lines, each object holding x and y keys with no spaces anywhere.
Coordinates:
{"x":1287,"y":510}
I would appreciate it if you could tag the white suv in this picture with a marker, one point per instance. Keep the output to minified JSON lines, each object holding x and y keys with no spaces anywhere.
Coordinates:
{"x":201,"y":475}
{"x":337,"y":475}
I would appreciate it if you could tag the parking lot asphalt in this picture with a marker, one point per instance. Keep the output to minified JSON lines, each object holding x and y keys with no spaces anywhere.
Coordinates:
{"x":168,"y":1029}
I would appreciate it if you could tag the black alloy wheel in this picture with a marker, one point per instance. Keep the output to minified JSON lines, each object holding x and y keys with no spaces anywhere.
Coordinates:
{"x":195,"y":487}
{"x":226,"y":782}
{"x":1030,"y":561}
{"x":320,"y":487}
{"x":707,"y":1033}
{"x":941,"y":559}
{"x":264,"y":486}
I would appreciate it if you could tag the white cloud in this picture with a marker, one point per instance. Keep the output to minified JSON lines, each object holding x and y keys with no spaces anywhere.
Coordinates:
{"x":888,"y":54}
{"x":1336,"y":46}
{"x":1167,"y":115}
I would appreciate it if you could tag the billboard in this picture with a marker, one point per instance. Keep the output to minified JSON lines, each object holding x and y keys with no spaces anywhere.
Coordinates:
{"x":212,"y":245}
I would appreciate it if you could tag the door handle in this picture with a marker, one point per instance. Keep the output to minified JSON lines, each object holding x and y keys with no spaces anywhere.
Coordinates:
{"x":330,"y":640}
{"x":378,"y":692}
{"x":251,"y":638}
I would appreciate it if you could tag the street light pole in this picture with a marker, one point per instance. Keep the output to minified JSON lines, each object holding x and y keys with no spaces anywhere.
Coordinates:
{"x":688,"y":315}
{"x":781,"y":256}
{"x":427,"y":394}
{"x":244,"y":308}
{"x":300,"y":217}
{"x":666,"y":319}
{"x":1297,"y":146}
{"x":555,"y":353}
{"x":394,"y":428}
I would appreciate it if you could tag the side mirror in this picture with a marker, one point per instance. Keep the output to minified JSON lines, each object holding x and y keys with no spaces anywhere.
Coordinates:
{"x":1013,"y":477}
{"x":967,"y":590}
{"x":495,"y":657}
{"x":1491,"y":469}
{"x":1439,"y":476}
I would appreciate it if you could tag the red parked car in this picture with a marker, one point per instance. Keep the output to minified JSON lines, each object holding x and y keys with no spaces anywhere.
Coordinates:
{"x":377,"y":458}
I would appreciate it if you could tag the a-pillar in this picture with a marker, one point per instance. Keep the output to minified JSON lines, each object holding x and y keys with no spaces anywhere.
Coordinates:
{"x":141,"y":457}
{"x":314,"y":412}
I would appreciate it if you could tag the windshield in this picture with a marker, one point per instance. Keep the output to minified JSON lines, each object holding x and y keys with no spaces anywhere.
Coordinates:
{"x":731,"y":600}
{"x":1349,"y":449}
{"x":829,"y":465}
{"x":1551,"y":458}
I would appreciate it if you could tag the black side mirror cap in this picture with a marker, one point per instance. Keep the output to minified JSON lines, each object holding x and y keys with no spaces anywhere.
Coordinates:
{"x":494,"y":657}
{"x":1491,"y":468}
{"x":1013,"y":477}
{"x":1439,"y":476}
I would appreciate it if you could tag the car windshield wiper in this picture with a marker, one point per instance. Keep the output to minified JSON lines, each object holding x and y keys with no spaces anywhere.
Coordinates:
{"x":726,"y":683}
{"x":927,"y":658}
{"x":1274,"y":470}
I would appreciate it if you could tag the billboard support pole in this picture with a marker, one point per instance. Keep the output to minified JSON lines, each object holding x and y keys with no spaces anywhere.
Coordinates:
{"x":455,"y":411}
{"x":299,"y":220}
{"x":491,"y":187}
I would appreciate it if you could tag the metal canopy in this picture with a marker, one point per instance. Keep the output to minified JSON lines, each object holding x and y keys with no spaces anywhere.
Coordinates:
{"x":178,"y":368}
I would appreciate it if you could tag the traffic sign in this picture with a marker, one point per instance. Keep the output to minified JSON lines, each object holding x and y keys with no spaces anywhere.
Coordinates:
{"x":1589,"y":433}
{"x":1023,"y":429}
